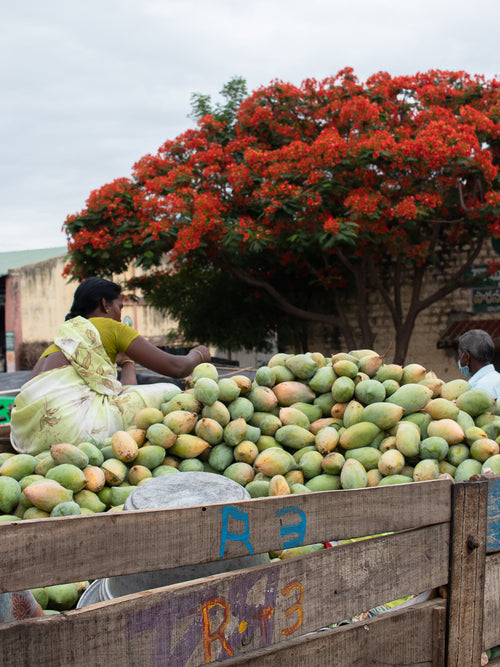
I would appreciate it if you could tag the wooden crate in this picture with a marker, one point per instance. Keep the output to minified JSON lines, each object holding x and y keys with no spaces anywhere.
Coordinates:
{"x":430,"y":535}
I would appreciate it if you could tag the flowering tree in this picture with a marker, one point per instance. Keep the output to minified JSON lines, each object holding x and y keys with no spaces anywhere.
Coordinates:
{"x":316,"y":202}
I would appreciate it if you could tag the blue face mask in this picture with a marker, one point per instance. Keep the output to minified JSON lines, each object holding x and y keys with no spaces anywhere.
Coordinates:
{"x":465,"y":370}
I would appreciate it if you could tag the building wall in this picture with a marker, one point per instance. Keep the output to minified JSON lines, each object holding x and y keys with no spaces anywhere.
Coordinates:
{"x":38,"y":298}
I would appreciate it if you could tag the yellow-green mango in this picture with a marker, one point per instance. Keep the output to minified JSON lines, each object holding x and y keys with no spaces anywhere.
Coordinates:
{"x":408,"y":439}
{"x":92,"y":452}
{"x":390,"y":387}
{"x":265,"y":442}
{"x":326,"y":440}
{"x":262,"y":398}
{"x":265,"y":377}
{"x":282,"y":374}
{"x":391,"y":462}
{"x":30,"y":479}
{"x":332,"y":463}
{"x":310,"y":464}
{"x":352,"y":413}
{"x":467,"y":468}
{"x":325,"y":402}
{"x":253,"y":433}
{"x":346,"y":368}
{"x":258,"y":488}
{"x":446,"y":467}
{"x":299,"y":488}
{"x":41,"y":596}
{"x":124,"y":446}
{"x":387,"y":443}
{"x":268,"y":424}
{"x":116,"y":471}
{"x":294,"y":437}
{"x":373,"y":477}
{"x":362,"y":352}
{"x":119,"y":494}
{"x":322,"y":380}
{"x":367,"y":456}
{"x":221,"y":456}
{"x":343,"y":389}
{"x":303,"y":366}
{"x":323,"y":482}
{"x":69,"y":476}
{"x":62,"y":596}
{"x":395,"y":479}
{"x":147,"y":416}
{"x":206,"y":390}
{"x":420,"y":419}
{"x":451,"y":390}
{"x":228,"y":390}
{"x":457,"y":454}
{"x":274,"y":461}
{"x":359,"y":435}
{"x":187,"y":446}
{"x":483,"y":448}
{"x":294,"y":477}
{"x":299,"y":453}
{"x":353,"y":475}
{"x":447,"y":429}
{"x":246,"y":452}
{"x":323,"y":422}
{"x":241,"y":407}
{"x":433,"y":447}
{"x":464,"y":420}
{"x":184,"y":401}
{"x":338,"y":356}
{"x":426,"y":469}
{"x":475,"y":401}
{"x":292,"y":392}
{"x":369,"y":391}
{"x":382,"y":414}
{"x":90,"y":500}
{"x":239,"y":472}
{"x":66,"y":453}
{"x":205,"y":370}
{"x":493,"y":429}
{"x":217,"y":411}
{"x":370,"y":363}
{"x":10,"y":490}
{"x":235,"y":431}
{"x":474,"y":433}
{"x":160,"y":470}
{"x":209,"y":430}
{"x":46,"y":495}
{"x":35,"y":513}
{"x":177,"y":422}
{"x":295,"y":416}
{"x":393,"y":372}
{"x":244,"y":383}
{"x":95,"y":478}
{"x":68,"y":508}
{"x":441,"y":408}
{"x":18,"y":466}
{"x":413,"y":373}
{"x":492,"y":465}
{"x":278,"y":486}
{"x":411,"y":397}
{"x":311,"y":411}
{"x":137,"y":473}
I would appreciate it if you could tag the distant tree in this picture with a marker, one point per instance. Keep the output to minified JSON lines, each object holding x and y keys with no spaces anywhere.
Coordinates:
{"x":303,"y":204}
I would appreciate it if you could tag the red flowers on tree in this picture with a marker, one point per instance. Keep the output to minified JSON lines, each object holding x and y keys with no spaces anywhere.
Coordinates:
{"x":325,"y":199}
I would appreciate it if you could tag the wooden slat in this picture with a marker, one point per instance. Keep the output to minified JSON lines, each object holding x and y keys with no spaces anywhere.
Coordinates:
{"x":77,"y":548}
{"x":493,"y":542}
{"x":397,"y":638}
{"x":491,"y":625}
{"x":467,"y":563}
{"x":219,"y":616}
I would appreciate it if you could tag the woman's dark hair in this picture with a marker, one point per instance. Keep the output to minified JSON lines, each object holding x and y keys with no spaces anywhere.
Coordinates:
{"x":89,"y":294}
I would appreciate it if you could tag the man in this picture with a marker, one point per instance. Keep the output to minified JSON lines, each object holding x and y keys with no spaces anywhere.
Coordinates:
{"x":475,"y":354}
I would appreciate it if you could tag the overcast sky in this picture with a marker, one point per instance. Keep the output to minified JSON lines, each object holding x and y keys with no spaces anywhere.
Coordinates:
{"x":90,"y":86}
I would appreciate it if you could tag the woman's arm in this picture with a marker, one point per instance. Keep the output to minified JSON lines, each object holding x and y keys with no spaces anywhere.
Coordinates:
{"x":127,"y":369}
{"x":171,"y":365}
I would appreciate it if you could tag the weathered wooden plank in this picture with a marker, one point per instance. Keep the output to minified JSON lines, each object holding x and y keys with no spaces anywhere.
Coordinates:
{"x":467,"y":564}
{"x":400,"y":638}
{"x":493,"y":541}
{"x":219,"y":616}
{"x":77,"y":548}
{"x":491,"y":625}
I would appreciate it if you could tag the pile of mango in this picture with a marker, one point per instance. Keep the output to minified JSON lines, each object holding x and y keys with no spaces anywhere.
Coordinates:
{"x":306,"y":423}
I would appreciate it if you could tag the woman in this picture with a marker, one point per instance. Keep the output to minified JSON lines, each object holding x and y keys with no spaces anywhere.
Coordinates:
{"x":74,"y":393}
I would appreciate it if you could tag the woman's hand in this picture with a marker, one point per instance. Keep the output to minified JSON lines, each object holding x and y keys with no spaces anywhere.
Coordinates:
{"x":164,"y":363}
{"x":127,"y":366}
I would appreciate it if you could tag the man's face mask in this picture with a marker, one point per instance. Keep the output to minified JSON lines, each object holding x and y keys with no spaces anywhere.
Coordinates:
{"x":465,"y":370}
